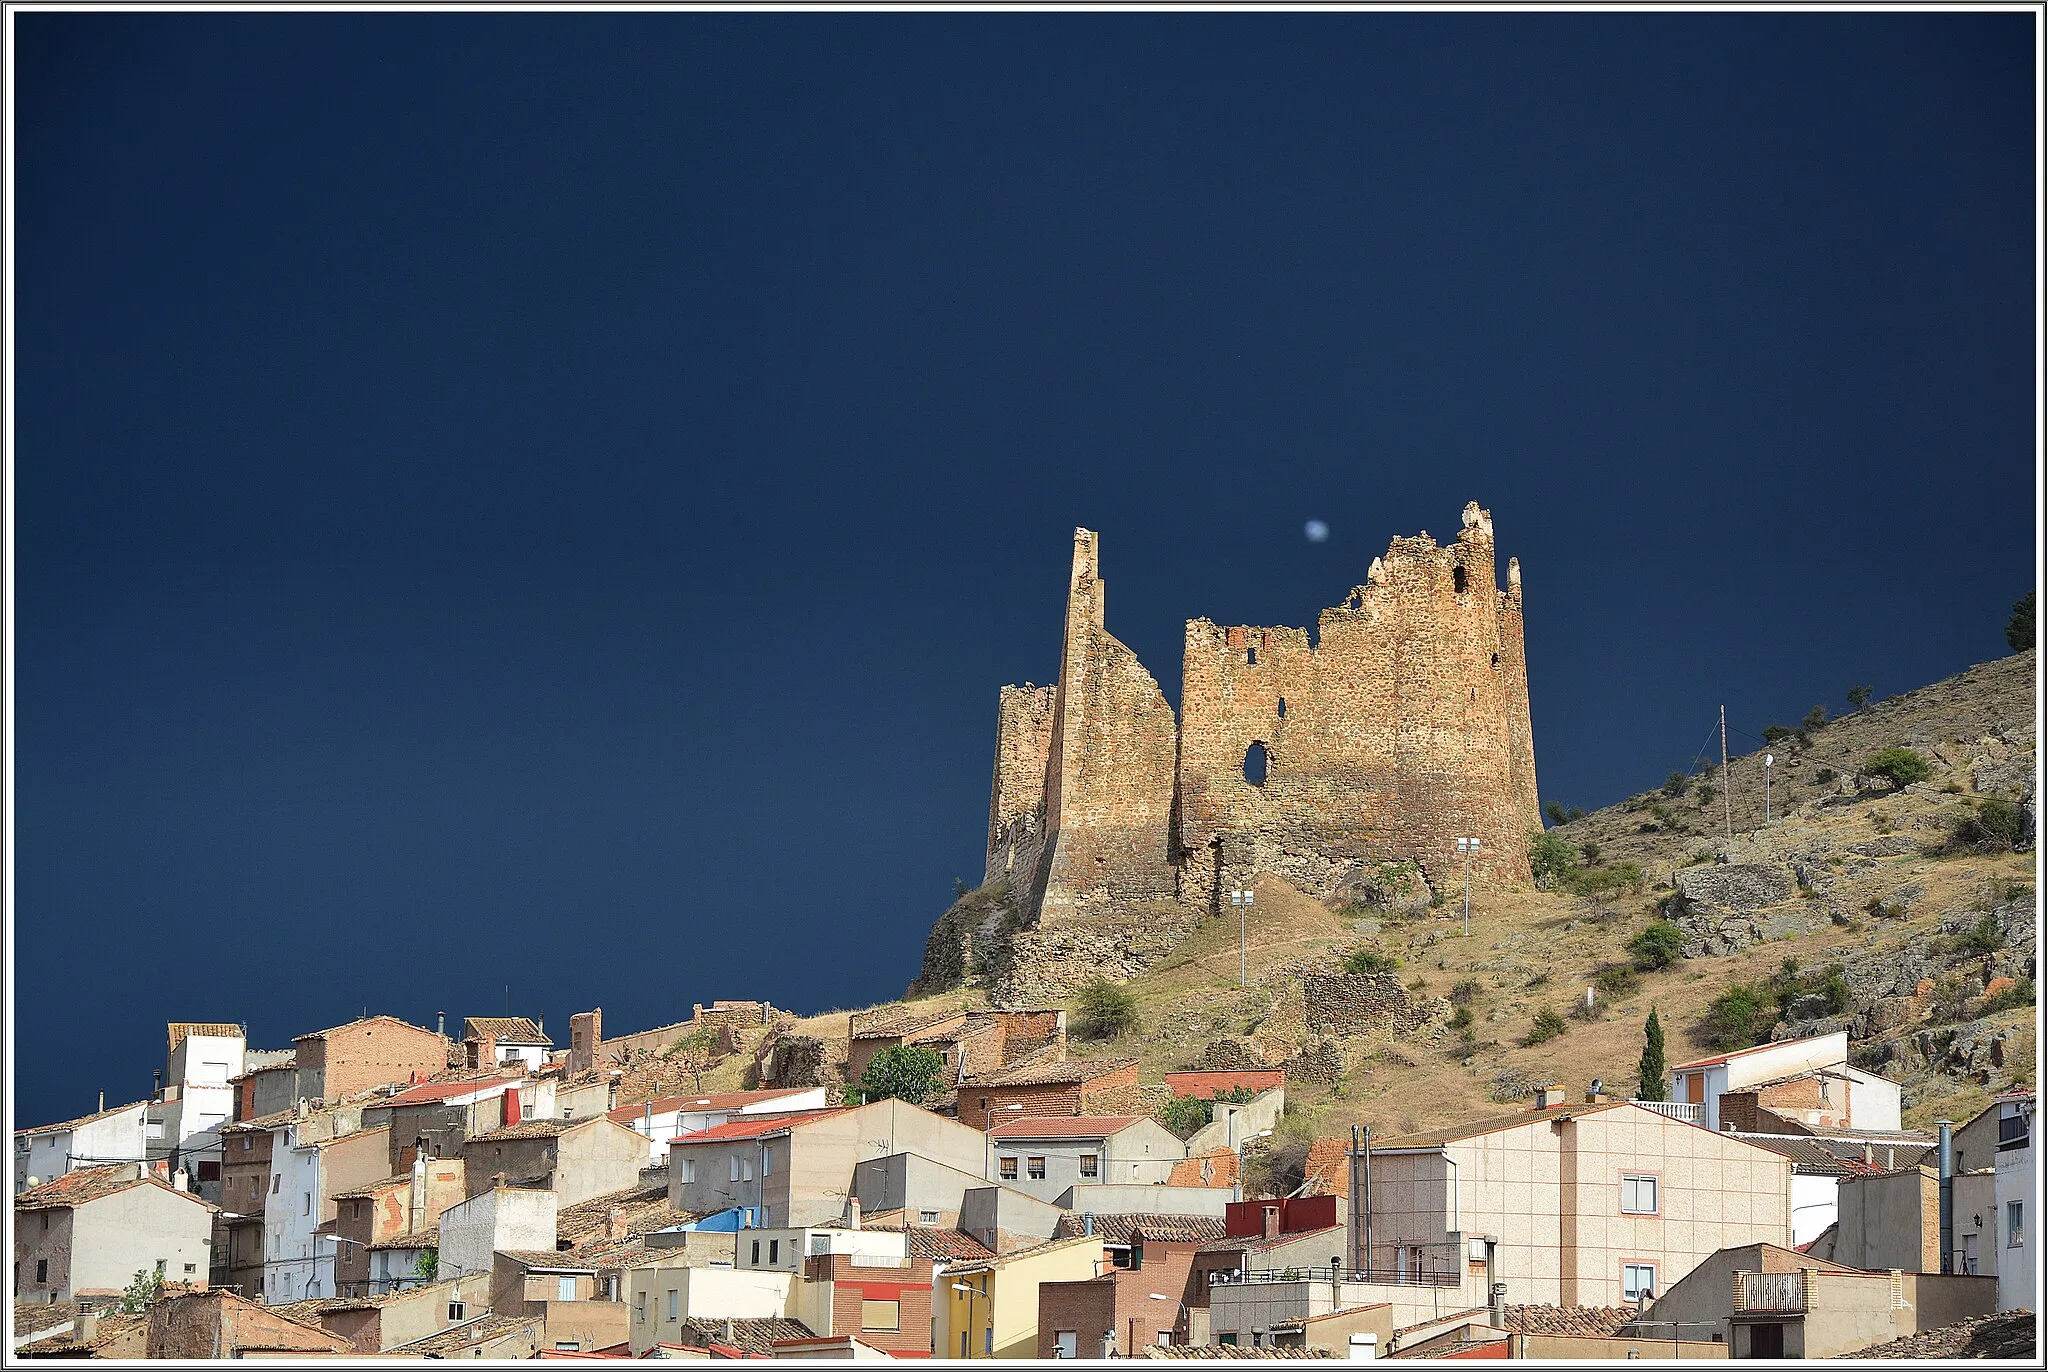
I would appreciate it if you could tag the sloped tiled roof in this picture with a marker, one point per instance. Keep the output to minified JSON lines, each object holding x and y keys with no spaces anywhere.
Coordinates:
{"x":456,"y":1338}
{"x":1224,"y":1352}
{"x":534,"y":1129}
{"x":757,"y":1337}
{"x":32,"y":1317}
{"x":89,"y":1184}
{"x":710,"y":1102}
{"x":1204,"y":1085}
{"x":1593,"y":1321}
{"x":1064,"y":1127}
{"x":357,"y":1023}
{"x":1811,"y":1157}
{"x":947,"y":1245}
{"x":1252,"y":1243}
{"x":433,"y":1092}
{"x":425,"y":1238}
{"x":1043,"y":1068}
{"x":355,"y":1192}
{"x":1497,"y":1123}
{"x":514,"y":1029}
{"x":82,"y":1119}
{"x":547,"y":1260}
{"x":1202,"y":1229}
{"x":756,"y":1126}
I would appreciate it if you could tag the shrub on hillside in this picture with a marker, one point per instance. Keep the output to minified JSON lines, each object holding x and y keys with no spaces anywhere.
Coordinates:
{"x":1107,"y":1011}
{"x":1816,"y":718}
{"x":2019,"y":630}
{"x":903,"y":1071}
{"x":2011,"y":996}
{"x":1994,"y":826}
{"x":1547,"y":1025}
{"x":1900,"y":766}
{"x":1857,"y":696}
{"x":1605,"y":881}
{"x":1615,"y":979}
{"x":1561,"y":814}
{"x":1674,"y":784}
{"x":1370,"y":962}
{"x":1778,"y":733}
{"x":1464,"y":992}
{"x":1657,"y":946}
{"x":1551,"y":859}
{"x":1741,"y":1017}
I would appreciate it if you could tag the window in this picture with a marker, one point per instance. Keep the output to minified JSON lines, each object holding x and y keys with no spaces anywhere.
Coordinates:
{"x":689,"y":1169}
{"x":735,"y":1161}
{"x":756,"y":1259}
{"x":1255,"y":761}
{"x":767,"y":1159}
{"x":1006,"y":1168}
{"x":774,"y":1251}
{"x":191,"y":1267}
{"x":1036,"y":1168}
{"x":246,"y":1141}
{"x":882,"y":1317}
{"x":305,"y":1202}
{"x":276,"y":1182}
{"x":1458,"y":580}
{"x":673,"y":1306}
{"x":640,"y":1307}
{"x":1066,"y":1343}
{"x":927,"y":1217}
{"x":1638,"y":1195}
{"x":46,"y":1221}
{"x":1228,"y":1340}
{"x":820,"y":1244}
{"x":565,"y":1288}
{"x":526,"y":1110}
{"x":1088,"y":1167}
{"x":456,"y":1311}
{"x":567,"y":1346}
{"x":1638,"y":1279}
{"x":160,"y":1265}
{"x":42,"y":1270}
{"x":2015,"y":1215}
{"x":746,"y":1169}
{"x":2012,"y":1131}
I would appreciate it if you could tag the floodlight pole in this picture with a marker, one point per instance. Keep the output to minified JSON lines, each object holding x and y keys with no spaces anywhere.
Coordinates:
{"x":1242,"y":899}
{"x":1768,"y":760}
{"x":1468,"y":846}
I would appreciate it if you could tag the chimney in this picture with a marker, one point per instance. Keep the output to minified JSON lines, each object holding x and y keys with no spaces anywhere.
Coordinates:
{"x":157,"y":1082}
{"x":441,"y":1023}
{"x":853,"y":1212}
{"x":1947,"y":1175}
{"x":1549,"y":1096}
{"x":418,"y":1209}
{"x":497,"y":1181}
{"x":1270,"y":1221}
{"x":1088,"y":1224}
{"x":103,"y":1100}
{"x":728,"y":1331}
{"x":647,"y":1119}
{"x":509,"y":1114}
{"x":1497,"y":1304}
{"x":179,"y":1179}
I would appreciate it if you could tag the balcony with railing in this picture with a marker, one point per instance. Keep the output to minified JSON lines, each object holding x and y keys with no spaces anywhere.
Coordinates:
{"x":1676,"y":1109}
{"x":1775,"y":1293}
{"x":1428,"y":1273}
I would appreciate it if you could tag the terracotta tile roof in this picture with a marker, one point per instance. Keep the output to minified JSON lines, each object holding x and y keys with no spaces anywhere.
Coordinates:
{"x":533,"y":1129}
{"x":401,"y":1179}
{"x":354,"y":1023}
{"x":545,"y":1260}
{"x":906,"y":1022}
{"x":89,"y":1184}
{"x":711,"y":1101}
{"x":1204,"y":1085}
{"x":1202,"y":1229}
{"x":425,"y":1238}
{"x":756,"y":1126}
{"x":1056,"y":1241}
{"x":32,"y":1317}
{"x":1812,"y":1158}
{"x":1253,"y":1243}
{"x":1444,"y":1319}
{"x":1064,"y":1127}
{"x":517,"y":1030}
{"x":113,"y":1322}
{"x":456,"y":1338}
{"x":1044,"y":1069}
{"x":432,"y":1092}
{"x":757,"y":1337}
{"x":642,"y":1210}
{"x":82,"y":1119}
{"x":2008,"y":1334}
{"x":1450,"y":1349}
{"x":1593,"y":1321}
{"x":947,"y":1245}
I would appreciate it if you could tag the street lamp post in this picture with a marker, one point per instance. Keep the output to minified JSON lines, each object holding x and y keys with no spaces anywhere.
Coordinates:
{"x":1468,"y":846}
{"x":1243,"y":901}
{"x":1768,"y":760}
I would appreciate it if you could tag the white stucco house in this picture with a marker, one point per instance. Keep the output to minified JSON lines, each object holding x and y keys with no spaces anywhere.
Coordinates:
{"x":1805,"y":1080}
{"x":2015,"y":1189}
{"x":663,"y":1119}
{"x":116,"y":1134}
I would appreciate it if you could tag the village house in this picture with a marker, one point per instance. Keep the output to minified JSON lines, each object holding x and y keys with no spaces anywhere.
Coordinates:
{"x":269,"y":1083}
{"x":504,"y":1041}
{"x":382,"y":1229}
{"x":84,"y":1236}
{"x":336,"y":1063}
{"x":197,"y":1098}
{"x":1141,"y":1297}
{"x":486,"y":1337}
{"x":308,"y":1173}
{"x":1047,"y":1157}
{"x":375,"y":1324}
{"x":1592,"y":1203}
{"x":205,"y":1325}
{"x":1798,"y":1081}
{"x":437,"y":1118}
{"x":1305,"y":1233}
{"x":500,"y":1218}
{"x":565,"y":1290}
{"x":661,"y":1119}
{"x":2013,"y":1231}
{"x":108,"y":1135}
{"x":798,"y":1169}
{"x":661,"y":1299}
{"x":1245,"y":1104}
{"x":968,"y":1042}
{"x":576,"y":1159}
{"x":1045,"y":1083}
{"x":932,"y":1195}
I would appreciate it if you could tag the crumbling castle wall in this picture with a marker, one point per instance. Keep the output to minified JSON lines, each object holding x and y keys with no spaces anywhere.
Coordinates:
{"x":1399,"y":725}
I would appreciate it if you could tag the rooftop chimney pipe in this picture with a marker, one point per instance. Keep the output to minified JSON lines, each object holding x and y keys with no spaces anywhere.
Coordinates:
{"x":1948,"y":1194}
{"x":441,"y":1023}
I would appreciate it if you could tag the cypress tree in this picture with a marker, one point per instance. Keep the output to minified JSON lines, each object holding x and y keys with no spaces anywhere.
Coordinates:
{"x":1650,"y":1070}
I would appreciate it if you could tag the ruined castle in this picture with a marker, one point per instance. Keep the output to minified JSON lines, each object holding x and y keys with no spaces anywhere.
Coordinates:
{"x":1397,"y":725}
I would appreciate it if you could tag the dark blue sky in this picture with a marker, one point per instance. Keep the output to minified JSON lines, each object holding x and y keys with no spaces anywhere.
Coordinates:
{"x":550,"y":500}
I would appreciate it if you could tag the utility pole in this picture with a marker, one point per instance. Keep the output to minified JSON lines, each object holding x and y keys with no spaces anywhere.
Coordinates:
{"x":1727,"y":810}
{"x":1242,"y":899}
{"x":1768,"y":760}
{"x":1468,"y":846}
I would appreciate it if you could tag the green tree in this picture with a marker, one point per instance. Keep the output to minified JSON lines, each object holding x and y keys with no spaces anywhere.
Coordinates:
{"x":1816,"y":718}
{"x":1674,"y":784}
{"x":1650,"y":1068}
{"x":1107,"y":1010}
{"x":427,"y":1266}
{"x":904,"y":1071}
{"x":1858,"y":697}
{"x":1553,"y":811}
{"x":1657,"y":946}
{"x":1741,"y":1016}
{"x":1900,"y":766}
{"x":1551,"y":859}
{"x":146,"y":1290}
{"x":1182,"y":1115}
{"x":2019,"y":630}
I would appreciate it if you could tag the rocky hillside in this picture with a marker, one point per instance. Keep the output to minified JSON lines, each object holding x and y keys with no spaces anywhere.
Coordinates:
{"x":1903,"y":914}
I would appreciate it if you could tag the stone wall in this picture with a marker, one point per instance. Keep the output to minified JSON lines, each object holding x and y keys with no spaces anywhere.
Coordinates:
{"x":1363,"y":1006}
{"x":1399,"y":724}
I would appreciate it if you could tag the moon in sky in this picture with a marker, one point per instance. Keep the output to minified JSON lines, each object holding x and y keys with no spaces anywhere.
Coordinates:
{"x":1316,"y":530}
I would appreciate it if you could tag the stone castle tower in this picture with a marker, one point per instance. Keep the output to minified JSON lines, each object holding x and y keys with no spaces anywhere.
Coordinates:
{"x":1398,"y":725}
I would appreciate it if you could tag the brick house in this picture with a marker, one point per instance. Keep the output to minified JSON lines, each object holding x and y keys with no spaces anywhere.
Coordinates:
{"x":1042,"y":1084}
{"x":1127,"y":1307}
{"x":1802,"y":1081}
{"x":204,"y":1325}
{"x":576,"y":1159}
{"x":338,"y":1062}
{"x":1303,"y":1232}
{"x":495,"y":1041}
{"x":375,"y":1222}
{"x":84,"y":1235}
{"x":884,"y":1302}
{"x":438,"y":1117}
{"x":968,"y":1042}
{"x":661,"y":1119}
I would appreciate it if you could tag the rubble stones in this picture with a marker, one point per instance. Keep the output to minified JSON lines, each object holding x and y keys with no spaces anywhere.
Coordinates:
{"x":2010,"y":777}
{"x":1732,"y":886}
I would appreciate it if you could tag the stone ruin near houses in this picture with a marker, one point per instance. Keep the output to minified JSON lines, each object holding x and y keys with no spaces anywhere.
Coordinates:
{"x":1398,"y":725}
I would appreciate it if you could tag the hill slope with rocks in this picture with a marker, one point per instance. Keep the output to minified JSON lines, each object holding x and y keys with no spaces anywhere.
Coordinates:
{"x":1899,"y":908}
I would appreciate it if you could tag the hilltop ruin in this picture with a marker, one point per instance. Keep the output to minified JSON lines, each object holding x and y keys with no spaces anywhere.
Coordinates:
{"x":1335,"y":759}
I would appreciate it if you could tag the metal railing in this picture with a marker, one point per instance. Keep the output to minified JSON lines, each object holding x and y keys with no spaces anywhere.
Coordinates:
{"x":1677,"y":1109}
{"x":1434,"y":1275}
{"x":1773,"y":1292}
